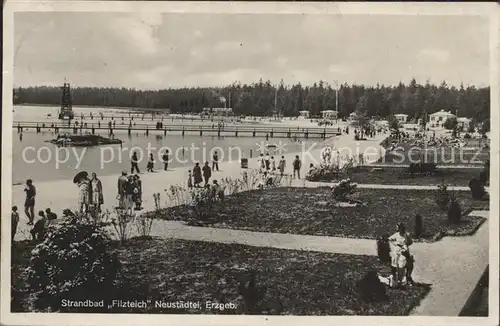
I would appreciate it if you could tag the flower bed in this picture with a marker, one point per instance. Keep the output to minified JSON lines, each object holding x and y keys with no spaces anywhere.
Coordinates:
{"x":445,"y":155}
{"x":289,"y":282}
{"x":312,"y":211}
{"x":396,"y":175}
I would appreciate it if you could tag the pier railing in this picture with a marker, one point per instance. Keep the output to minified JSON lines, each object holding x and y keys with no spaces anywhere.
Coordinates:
{"x":220,"y":130}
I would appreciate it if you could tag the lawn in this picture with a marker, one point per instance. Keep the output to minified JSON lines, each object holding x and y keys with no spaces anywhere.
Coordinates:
{"x":290,"y":282}
{"x":311,"y":211}
{"x":472,"y":154}
{"x":397,"y":175}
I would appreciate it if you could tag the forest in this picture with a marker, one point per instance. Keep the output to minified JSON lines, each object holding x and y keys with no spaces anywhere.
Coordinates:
{"x":263,"y":98}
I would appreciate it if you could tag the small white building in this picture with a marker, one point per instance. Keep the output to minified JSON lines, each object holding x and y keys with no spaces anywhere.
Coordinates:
{"x":304,"y":114}
{"x":401,"y":117}
{"x":463,"y":123}
{"x":329,"y":114}
{"x":437,"y":119}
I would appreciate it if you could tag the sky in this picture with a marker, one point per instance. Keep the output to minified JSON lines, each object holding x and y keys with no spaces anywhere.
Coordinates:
{"x":162,"y":50}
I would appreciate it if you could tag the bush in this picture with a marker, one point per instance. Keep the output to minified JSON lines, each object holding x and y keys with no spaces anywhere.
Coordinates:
{"x":442,"y":197}
{"x":74,"y":262}
{"x":344,"y":189}
{"x":370,"y":289}
{"x":324,"y":173}
{"x":418,"y":226}
{"x":454,"y":211}
{"x":467,"y":136}
{"x":384,"y":249}
{"x":477,"y":189}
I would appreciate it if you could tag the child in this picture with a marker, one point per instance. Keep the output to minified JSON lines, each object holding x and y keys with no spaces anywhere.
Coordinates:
{"x":38,"y":231}
{"x":190,"y":180}
{"x":15,"y":221}
{"x":282,"y":165}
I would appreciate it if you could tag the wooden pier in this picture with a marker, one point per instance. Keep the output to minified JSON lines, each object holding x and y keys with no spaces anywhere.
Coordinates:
{"x":209,"y":130}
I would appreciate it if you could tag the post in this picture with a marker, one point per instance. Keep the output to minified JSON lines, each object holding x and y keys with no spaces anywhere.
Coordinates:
{"x":183,"y":131}
{"x":93,"y":130}
{"x":289,"y":134}
{"x":147,"y":131}
{"x":129,"y":130}
{"x":272,"y":133}
{"x":253,"y":133}
{"x":250,"y":153}
{"x":306,"y":134}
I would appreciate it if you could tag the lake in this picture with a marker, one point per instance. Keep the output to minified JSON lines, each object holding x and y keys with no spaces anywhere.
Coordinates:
{"x":33,"y":157}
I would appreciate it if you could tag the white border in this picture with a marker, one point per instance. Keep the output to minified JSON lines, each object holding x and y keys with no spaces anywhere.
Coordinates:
{"x":490,"y":10}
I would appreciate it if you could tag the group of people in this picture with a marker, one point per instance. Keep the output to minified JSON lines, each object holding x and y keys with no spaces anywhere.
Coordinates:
{"x":129,"y":192}
{"x":267,"y":165}
{"x":90,"y":195}
{"x":46,"y":217}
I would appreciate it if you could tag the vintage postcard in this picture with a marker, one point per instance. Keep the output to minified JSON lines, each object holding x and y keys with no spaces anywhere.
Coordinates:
{"x":250,"y":163}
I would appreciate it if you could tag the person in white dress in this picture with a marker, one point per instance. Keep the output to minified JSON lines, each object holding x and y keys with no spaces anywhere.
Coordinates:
{"x":401,"y":260}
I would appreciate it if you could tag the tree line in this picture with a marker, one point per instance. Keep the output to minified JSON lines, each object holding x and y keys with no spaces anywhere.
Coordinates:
{"x":263,"y":98}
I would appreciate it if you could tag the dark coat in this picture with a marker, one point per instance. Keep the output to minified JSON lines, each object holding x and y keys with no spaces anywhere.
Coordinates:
{"x":197,"y":174}
{"x":207,"y":171}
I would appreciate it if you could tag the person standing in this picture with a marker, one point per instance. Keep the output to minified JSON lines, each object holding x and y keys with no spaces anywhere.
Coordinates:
{"x":197,"y":175}
{"x":262,"y":163}
{"x":215,"y":162}
{"x":29,"y":204}
{"x":267,"y":162}
{"x":190,"y":179}
{"x":401,"y":260}
{"x":134,"y":163}
{"x":130,"y":187}
{"x":15,"y":221}
{"x":297,"y":164}
{"x":137,"y":197}
{"x":84,"y":194}
{"x":207,"y":173}
{"x":122,"y":185}
{"x":282,"y":165}
{"x":151,"y":163}
{"x":97,"y":195}
{"x":273,"y":164}
{"x":165,"y":159}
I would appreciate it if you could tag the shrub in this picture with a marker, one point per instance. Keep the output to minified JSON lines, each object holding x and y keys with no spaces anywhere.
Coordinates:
{"x":454,"y":211}
{"x":344,"y":189}
{"x":251,"y":293}
{"x":384,"y":249}
{"x":477,"y":189}
{"x":121,"y":223}
{"x":418,"y":226}
{"x":467,"y":136}
{"x":442,"y":196}
{"x":74,"y":262}
{"x":370,"y":289}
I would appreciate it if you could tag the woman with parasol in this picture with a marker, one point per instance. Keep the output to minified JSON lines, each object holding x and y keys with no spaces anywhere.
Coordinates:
{"x":83,"y":182}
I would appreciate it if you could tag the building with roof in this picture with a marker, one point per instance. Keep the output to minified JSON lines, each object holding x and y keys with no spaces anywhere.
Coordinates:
{"x":401,"y":117}
{"x":437,"y":119}
{"x":329,"y":114}
{"x":304,"y":114}
{"x":463,"y":123}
